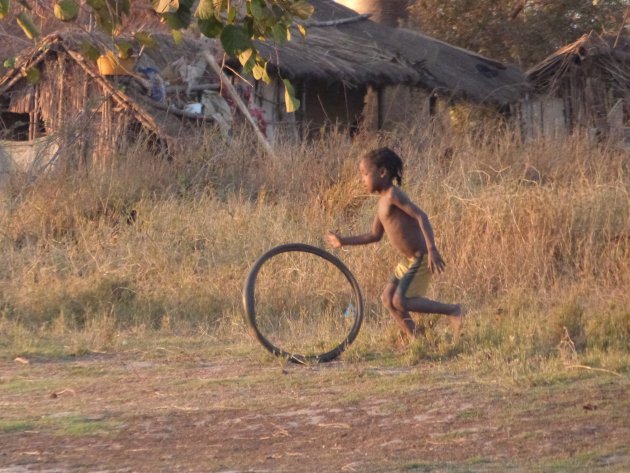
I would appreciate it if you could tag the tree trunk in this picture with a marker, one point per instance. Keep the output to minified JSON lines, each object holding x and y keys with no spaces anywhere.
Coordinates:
{"x":387,"y":12}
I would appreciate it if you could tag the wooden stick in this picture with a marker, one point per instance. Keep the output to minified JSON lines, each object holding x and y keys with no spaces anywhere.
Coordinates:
{"x":590,"y":368}
{"x":239,"y":103}
{"x":341,"y":21}
{"x":194,"y":88}
{"x":623,"y":25}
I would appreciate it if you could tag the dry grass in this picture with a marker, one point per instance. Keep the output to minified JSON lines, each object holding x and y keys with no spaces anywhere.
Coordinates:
{"x":536,"y":237}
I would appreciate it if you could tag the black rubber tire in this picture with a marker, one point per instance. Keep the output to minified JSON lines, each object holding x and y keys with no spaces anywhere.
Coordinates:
{"x":249,"y":303}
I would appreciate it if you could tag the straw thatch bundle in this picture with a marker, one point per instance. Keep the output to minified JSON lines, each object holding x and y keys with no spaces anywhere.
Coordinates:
{"x":606,"y":57}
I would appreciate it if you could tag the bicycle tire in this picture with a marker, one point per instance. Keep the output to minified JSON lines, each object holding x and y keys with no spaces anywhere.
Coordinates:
{"x":249,"y":303}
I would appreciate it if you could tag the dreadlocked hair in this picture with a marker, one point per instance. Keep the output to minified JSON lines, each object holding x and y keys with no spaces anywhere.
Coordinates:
{"x":388,"y":159}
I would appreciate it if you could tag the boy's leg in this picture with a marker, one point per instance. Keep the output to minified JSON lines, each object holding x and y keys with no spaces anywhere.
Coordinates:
{"x":409,"y":296}
{"x":455,"y":312}
{"x":428,"y":306}
{"x":402,"y":318}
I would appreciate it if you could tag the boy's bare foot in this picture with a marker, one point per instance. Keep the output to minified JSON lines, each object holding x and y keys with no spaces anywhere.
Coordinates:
{"x":457,"y":321}
{"x":418,"y":331}
{"x":405,"y":339}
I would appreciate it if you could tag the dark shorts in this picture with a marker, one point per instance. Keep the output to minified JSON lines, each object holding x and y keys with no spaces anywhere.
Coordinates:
{"x":412,"y":277}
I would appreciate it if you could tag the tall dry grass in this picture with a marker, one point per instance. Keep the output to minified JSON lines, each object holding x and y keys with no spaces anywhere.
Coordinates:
{"x":536,"y":237}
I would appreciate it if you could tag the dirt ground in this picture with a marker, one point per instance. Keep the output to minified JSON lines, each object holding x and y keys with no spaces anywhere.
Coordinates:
{"x":240,"y":412}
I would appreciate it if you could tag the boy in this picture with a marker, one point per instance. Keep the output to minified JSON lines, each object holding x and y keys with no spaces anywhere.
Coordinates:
{"x":410,"y":231}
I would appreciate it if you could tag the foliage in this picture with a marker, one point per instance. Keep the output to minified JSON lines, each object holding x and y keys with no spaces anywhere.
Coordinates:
{"x":236,"y":23}
{"x":524,"y":31}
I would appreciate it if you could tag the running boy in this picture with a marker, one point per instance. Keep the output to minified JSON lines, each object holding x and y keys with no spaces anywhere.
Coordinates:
{"x":409,"y":230}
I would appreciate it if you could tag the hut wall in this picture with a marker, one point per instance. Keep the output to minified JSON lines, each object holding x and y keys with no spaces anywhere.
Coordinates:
{"x":543,"y":117}
{"x":370,"y":118}
{"x":584,"y":98}
{"x":615,"y":120}
{"x":322,"y":106}
{"x":26,"y":156}
{"x":334,"y":104}
{"x":280,"y":124}
{"x":401,"y":105}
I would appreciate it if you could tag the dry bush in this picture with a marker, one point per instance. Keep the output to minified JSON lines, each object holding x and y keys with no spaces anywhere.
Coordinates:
{"x":166,"y":244}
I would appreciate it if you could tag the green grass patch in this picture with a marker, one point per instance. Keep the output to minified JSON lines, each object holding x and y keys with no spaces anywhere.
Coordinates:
{"x":77,"y":425}
{"x":9,"y":426}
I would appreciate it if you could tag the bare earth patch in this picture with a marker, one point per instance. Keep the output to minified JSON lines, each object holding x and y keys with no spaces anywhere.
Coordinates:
{"x":174,"y":411}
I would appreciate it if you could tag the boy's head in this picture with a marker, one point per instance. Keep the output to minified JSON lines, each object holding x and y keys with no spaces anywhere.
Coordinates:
{"x":385,"y":158}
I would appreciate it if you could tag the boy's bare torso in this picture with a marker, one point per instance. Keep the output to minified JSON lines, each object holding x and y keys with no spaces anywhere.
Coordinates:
{"x":403,"y":231}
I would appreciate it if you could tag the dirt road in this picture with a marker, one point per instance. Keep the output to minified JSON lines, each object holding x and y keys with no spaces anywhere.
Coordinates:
{"x":172,"y":411}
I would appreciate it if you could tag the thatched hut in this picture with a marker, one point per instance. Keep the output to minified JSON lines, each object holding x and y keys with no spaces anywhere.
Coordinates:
{"x":584,"y":85}
{"x":69,"y":102}
{"x":346,"y":57}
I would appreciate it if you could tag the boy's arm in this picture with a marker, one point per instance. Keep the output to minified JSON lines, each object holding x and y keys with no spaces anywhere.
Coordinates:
{"x":375,"y":234}
{"x":400,"y":199}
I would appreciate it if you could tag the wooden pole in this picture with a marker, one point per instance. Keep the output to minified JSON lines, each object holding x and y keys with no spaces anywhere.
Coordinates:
{"x":239,"y":103}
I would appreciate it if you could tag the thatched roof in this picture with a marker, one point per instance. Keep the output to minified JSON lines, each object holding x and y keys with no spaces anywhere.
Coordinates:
{"x":351,"y":52}
{"x":154,"y":117}
{"x":607,"y":55}
{"x":455,"y":71}
{"x":342,"y":46}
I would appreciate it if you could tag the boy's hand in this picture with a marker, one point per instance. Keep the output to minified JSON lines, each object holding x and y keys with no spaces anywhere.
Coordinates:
{"x":435,"y":261}
{"x":333,"y":239}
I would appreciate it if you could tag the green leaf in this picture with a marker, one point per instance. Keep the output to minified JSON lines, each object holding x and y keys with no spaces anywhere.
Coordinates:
{"x":96,"y":4}
{"x":257,"y":72}
{"x":165,"y":6}
{"x":4,"y":8}
{"x":9,"y":62}
{"x":26,"y":23}
{"x":265,"y":77}
{"x":89,"y":51}
{"x":235,"y":40}
{"x":210,"y":27}
{"x":178,"y":36}
{"x":33,"y":75}
{"x":291,"y":103}
{"x":121,"y":7}
{"x":102,"y":15}
{"x":302,"y":9}
{"x":182,"y":17}
{"x":261,"y":69}
{"x":145,"y":39}
{"x":205,"y":10}
{"x":231,"y":16}
{"x":245,"y":56}
{"x":109,"y":13}
{"x":280,"y":33}
{"x":257,"y":9}
{"x":124,"y":48}
{"x":66,"y":10}
{"x":118,"y":8}
{"x":248,"y":24}
{"x":178,"y":20}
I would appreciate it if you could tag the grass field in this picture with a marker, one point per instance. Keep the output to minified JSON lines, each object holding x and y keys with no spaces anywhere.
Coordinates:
{"x":123,"y":345}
